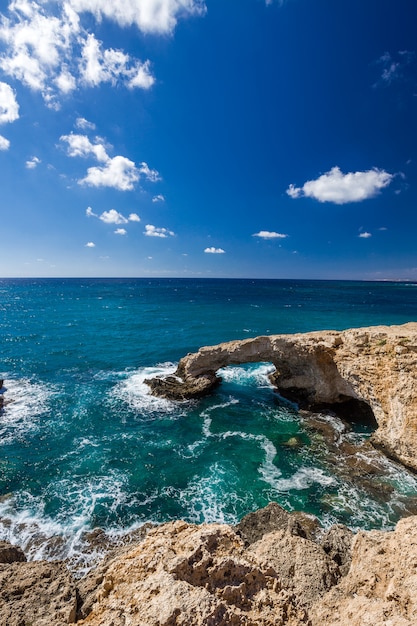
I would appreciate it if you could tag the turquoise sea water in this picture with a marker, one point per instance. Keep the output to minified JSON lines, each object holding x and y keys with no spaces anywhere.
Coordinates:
{"x":84,"y":445}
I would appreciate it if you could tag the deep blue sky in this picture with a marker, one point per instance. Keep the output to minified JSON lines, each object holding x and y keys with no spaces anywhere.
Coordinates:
{"x":231,"y":138}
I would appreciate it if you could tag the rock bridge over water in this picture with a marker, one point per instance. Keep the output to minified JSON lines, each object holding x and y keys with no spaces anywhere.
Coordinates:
{"x":371,"y":370}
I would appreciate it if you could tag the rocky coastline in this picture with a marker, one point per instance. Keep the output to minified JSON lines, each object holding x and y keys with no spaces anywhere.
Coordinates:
{"x":274,"y":568}
{"x":369,"y":371}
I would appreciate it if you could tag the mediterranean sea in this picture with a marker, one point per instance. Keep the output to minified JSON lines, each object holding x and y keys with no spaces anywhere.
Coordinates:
{"x":83,"y":445}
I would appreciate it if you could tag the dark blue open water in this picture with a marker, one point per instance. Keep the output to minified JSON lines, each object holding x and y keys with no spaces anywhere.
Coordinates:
{"x":84,"y":445}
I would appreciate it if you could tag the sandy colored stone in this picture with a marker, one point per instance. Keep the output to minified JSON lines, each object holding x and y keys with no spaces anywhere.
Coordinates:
{"x":187,"y":575}
{"x":376,"y":366}
{"x":37,"y":593}
{"x":303,"y":567}
{"x":381,"y":586}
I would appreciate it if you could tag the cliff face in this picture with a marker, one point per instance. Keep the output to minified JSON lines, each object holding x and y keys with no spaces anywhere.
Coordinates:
{"x":294,"y":574}
{"x":373,"y":366}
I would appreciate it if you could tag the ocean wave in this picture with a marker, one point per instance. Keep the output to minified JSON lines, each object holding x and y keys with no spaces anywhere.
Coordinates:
{"x":253,"y":374}
{"x":302,"y":479}
{"x":27,"y":402}
{"x":65,"y":533}
{"x":136,"y":393}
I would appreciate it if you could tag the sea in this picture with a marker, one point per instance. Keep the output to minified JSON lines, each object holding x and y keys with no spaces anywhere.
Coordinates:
{"x":86,"y":451}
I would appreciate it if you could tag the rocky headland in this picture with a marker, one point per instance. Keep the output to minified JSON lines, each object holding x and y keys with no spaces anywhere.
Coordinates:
{"x":273,"y":569}
{"x":364,"y":371}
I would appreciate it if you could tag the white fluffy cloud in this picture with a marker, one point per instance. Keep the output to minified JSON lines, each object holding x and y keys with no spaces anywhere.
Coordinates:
{"x":111,"y":66}
{"x":47,"y":49}
{"x":339,"y":188}
{"x":158,"y":198}
{"x":152,"y":231}
{"x":113,"y":217}
{"x":267,"y":234}
{"x":32,"y":163}
{"x":213,"y":250}
{"x":150,"y":16}
{"x":9,"y":108}
{"x":80,"y":145}
{"x":364,"y":235}
{"x":84,"y":124}
{"x":117,"y":172}
{"x":120,"y":231}
{"x":90,"y":244}
{"x":4,"y":143}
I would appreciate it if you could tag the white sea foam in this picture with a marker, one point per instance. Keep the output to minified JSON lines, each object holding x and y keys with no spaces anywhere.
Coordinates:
{"x":303,"y":478}
{"x":211,"y":498}
{"x":256,"y":374}
{"x":27,"y":402}
{"x":24,"y":522}
{"x":136,"y":393}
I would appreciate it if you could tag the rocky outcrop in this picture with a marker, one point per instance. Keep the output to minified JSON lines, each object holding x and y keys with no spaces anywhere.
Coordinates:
{"x":371,"y":370}
{"x":380,"y":588}
{"x":41,"y":593}
{"x":181,"y":574}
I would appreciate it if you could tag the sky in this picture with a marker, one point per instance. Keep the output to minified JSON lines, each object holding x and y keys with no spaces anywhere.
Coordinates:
{"x":208,"y":138}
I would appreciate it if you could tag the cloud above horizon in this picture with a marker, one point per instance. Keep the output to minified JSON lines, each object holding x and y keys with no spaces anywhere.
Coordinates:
{"x":112,"y":216}
{"x":9,"y":108}
{"x":267,"y":234}
{"x":339,"y":188}
{"x":149,"y":16}
{"x":214,"y":250}
{"x":153,"y":231}
{"x":47,"y":49}
{"x":4,"y":143}
{"x":117,"y":172}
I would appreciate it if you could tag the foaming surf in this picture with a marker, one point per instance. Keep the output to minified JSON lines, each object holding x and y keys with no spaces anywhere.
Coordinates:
{"x":136,"y":393}
{"x":253,"y":374}
{"x":27,"y":403}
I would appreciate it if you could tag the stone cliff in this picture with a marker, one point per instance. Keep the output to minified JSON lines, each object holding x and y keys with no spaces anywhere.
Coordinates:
{"x":365,"y":369}
{"x":272,"y":569}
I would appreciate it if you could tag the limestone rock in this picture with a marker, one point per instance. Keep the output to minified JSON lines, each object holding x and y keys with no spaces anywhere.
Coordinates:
{"x":381,"y":586}
{"x":373,"y":367}
{"x":337,"y":543}
{"x":183,"y":574}
{"x":302,"y":567}
{"x":41,"y":593}
{"x":10,"y":553}
{"x":255,"y":525}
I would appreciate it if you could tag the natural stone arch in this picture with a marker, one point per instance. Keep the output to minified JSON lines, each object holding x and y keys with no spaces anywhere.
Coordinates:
{"x":374,"y":367}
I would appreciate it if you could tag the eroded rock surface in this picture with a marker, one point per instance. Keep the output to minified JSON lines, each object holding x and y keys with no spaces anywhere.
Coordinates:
{"x":380,"y":588}
{"x":41,"y":593}
{"x":181,"y":574}
{"x":375,"y":367}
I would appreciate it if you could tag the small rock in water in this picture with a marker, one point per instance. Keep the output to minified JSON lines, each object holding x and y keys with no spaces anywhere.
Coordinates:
{"x":293,"y":442}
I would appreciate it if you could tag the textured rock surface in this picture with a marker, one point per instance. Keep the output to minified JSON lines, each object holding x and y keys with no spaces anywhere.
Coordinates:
{"x":183,"y":574}
{"x":180,"y":574}
{"x":381,"y":586}
{"x":375,"y":365}
{"x":41,"y":593}
{"x":10,"y":553}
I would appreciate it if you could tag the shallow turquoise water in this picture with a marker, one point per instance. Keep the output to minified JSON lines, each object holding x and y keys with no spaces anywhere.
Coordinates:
{"x":83,"y":444}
